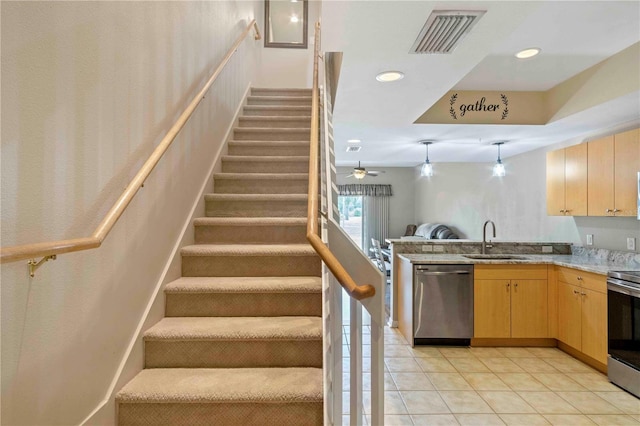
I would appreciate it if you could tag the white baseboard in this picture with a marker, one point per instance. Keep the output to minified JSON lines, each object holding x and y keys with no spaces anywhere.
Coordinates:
{"x":197,"y":209}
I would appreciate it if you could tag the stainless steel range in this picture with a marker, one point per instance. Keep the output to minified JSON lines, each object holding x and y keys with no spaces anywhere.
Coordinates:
{"x":623,"y":295}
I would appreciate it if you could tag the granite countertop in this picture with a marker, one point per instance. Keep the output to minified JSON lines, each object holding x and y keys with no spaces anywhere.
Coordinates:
{"x":422,"y":240}
{"x":583,"y":263}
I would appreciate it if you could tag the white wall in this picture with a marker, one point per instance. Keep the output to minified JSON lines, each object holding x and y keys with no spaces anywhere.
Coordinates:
{"x":465,"y":195}
{"x":401,"y":179}
{"x":285,"y":67}
{"x":88,"y":89}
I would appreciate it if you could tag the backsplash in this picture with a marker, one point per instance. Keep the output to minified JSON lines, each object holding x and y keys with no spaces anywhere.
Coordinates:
{"x":613,"y":256}
{"x":474,"y":247}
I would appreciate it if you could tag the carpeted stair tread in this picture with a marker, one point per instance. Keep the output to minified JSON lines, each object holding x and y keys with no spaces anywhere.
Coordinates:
{"x":236,"y":328}
{"x":280,"y":110}
{"x":279,"y":98}
{"x":265,"y":158}
{"x":224,"y":385}
{"x":255,"y":197}
{"x":262,"y":130}
{"x":250,"y":221}
{"x":248,"y":250}
{"x":276,"y":118}
{"x":304,"y":91}
{"x":193,"y":285}
{"x":269,"y":143}
{"x":261,"y":176}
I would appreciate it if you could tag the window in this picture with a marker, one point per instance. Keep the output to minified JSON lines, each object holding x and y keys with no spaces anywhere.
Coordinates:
{"x":351,"y":217}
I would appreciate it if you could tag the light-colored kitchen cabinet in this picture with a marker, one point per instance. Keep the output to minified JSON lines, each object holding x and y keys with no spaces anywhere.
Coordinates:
{"x":569,"y":315}
{"x":529,"y":306}
{"x":627,"y":166}
{"x":594,"y":324}
{"x":567,"y":181}
{"x":491,"y":308}
{"x":510,"y":301}
{"x":613,"y":164}
{"x":582,"y":312}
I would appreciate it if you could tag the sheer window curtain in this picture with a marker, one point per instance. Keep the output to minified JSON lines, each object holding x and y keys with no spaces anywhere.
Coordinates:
{"x":376,"y":220}
{"x":375,"y":203}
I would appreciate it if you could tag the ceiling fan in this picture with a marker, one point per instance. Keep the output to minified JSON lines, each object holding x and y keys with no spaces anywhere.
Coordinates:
{"x":360,"y":172}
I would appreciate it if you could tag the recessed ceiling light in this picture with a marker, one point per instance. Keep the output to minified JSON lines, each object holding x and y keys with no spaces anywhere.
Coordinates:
{"x":528,"y":53}
{"x":354,"y":141}
{"x":294,"y":19}
{"x":388,"y":76}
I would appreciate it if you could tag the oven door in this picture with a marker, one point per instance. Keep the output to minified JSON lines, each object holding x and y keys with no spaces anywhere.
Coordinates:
{"x":624,"y":322}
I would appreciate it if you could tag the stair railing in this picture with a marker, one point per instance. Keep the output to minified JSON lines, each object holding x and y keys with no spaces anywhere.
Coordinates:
{"x":49,"y":250}
{"x":345,"y":264}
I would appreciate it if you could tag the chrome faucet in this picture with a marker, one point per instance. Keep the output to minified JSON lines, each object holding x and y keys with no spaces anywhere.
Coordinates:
{"x":485,"y":246}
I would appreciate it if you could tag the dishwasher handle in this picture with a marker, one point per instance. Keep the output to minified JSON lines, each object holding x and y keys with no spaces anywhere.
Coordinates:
{"x":427,"y":272}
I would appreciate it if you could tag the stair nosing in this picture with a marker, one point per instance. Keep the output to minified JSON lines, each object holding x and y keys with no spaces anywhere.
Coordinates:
{"x":273,"y":129}
{"x":239,"y":250}
{"x":275,"y":118}
{"x":278,"y":107}
{"x":264,"y":176}
{"x":267,"y":142}
{"x":266,"y":158}
{"x":239,"y":329}
{"x":255,"y":221}
{"x":166,"y":392}
{"x":258,"y":197}
{"x":244,"y":285}
{"x":279,"y":97}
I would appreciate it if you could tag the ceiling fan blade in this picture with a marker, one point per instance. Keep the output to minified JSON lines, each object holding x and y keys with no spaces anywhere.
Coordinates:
{"x":375,"y":171}
{"x":351,"y":175}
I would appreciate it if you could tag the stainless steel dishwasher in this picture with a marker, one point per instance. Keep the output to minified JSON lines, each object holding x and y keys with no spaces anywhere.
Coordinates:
{"x":443,"y":304}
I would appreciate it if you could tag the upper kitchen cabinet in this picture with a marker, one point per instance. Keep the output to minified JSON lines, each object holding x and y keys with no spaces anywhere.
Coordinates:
{"x":567,"y":181}
{"x":627,"y":166}
{"x":613,"y":164}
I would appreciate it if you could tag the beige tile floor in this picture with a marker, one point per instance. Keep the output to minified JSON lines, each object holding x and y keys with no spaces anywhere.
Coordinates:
{"x":490,"y":386}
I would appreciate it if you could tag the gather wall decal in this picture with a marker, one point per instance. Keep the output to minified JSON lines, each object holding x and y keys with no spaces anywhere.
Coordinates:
{"x":480,"y":105}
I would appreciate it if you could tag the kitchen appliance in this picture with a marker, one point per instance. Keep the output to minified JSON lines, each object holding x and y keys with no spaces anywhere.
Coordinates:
{"x":623,"y":298}
{"x":443,"y":304}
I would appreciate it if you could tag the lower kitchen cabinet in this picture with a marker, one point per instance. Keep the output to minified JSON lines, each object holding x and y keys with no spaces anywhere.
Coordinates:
{"x":582,"y":316}
{"x":569,"y":315}
{"x":529,"y":308}
{"x":510,"y":302}
{"x":491,"y":308}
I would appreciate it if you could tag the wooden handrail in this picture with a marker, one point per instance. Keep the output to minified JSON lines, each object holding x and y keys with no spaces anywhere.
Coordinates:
{"x":342,"y":276}
{"x":26,"y":251}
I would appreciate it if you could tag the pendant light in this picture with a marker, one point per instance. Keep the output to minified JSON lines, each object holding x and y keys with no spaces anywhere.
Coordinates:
{"x":498,"y":168}
{"x":427,"y":167}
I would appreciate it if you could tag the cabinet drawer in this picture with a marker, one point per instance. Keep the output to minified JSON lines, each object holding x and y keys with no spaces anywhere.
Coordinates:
{"x":595,"y":282}
{"x":508,"y":272}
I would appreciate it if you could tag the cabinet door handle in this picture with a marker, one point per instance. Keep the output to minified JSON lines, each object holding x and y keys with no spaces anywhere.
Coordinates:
{"x":583,"y":294}
{"x":575,"y":292}
{"x":608,"y":211}
{"x":562,"y":211}
{"x":516,"y":284}
{"x":616,"y":211}
{"x":508,"y":286}
{"x":579,"y":278}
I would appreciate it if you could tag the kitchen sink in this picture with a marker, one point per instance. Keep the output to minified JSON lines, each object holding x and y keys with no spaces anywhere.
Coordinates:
{"x":494,"y":257}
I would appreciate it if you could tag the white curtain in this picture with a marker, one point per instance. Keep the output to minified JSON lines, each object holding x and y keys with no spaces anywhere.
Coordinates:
{"x":376,"y":220}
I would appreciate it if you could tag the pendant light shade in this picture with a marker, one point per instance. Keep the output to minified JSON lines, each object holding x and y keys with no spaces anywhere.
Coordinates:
{"x":427,"y":167}
{"x":498,"y":168}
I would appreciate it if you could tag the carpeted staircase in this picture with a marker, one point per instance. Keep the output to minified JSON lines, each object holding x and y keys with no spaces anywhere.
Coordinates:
{"x":241,"y":343}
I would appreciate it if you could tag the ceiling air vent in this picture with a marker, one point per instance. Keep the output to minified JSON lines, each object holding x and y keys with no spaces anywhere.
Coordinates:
{"x":354,"y":148}
{"x":444,"y":29}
